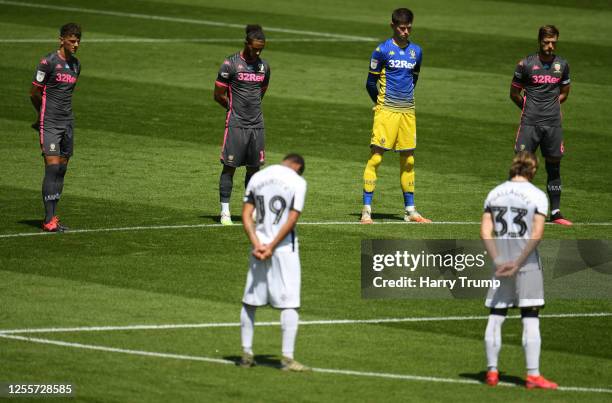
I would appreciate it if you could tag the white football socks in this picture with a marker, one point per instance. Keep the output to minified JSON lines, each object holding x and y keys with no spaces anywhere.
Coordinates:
{"x":531,"y":344}
{"x":225,"y":208}
{"x":493,"y":340}
{"x":289,"y":326}
{"x":247,"y":327}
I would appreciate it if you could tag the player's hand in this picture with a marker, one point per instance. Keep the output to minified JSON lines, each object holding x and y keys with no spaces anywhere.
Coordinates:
{"x":36,"y":126}
{"x":265,"y":252}
{"x":262,"y":252}
{"x":507,"y":269}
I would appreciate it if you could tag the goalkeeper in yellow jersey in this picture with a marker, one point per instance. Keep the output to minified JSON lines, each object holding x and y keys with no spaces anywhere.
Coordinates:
{"x":394,"y":70}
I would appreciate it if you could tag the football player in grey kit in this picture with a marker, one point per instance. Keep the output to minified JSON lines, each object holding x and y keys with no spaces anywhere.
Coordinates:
{"x":51,"y":96}
{"x":541,"y":83}
{"x":240,"y":86}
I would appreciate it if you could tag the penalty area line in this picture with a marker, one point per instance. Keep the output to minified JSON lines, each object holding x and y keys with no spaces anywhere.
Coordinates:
{"x":314,"y":223}
{"x":302,"y":323}
{"x":317,"y":370}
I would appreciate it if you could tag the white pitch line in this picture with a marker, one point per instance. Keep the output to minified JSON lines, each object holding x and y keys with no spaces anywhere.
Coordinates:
{"x":182,"y":20}
{"x":319,"y":370}
{"x":302,"y":323}
{"x":319,"y":223}
{"x":175,"y":40}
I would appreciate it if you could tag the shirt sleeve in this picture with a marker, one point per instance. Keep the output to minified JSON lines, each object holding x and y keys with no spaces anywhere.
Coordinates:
{"x":43,"y":72}
{"x":249,"y":196}
{"x":299,"y":198}
{"x":225,"y":74}
{"x":542,"y":204}
{"x":266,"y":80}
{"x":565,"y":77}
{"x":377,"y":61}
{"x":487,"y":204}
{"x":417,"y":68}
{"x":520,"y":75}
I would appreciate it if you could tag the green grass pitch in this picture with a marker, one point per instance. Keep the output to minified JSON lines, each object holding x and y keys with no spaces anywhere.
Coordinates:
{"x":148,"y":135}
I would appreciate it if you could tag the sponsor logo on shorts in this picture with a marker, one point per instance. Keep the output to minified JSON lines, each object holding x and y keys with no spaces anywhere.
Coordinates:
{"x":522,"y":147}
{"x":52,"y":146}
{"x":230,"y":157}
{"x":40,"y":75}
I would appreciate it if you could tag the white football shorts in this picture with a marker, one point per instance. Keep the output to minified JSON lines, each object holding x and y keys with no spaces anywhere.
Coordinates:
{"x":523,"y":290}
{"x":275,"y":281}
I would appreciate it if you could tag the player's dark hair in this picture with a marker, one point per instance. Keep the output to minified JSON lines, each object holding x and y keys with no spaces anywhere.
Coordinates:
{"x":254,"y":32}
{"x":402,"y":16}
{"x":524,"y":164}
{"x":296,"y":159}
{"x":547,"y":31}
{"x":70,"y":29}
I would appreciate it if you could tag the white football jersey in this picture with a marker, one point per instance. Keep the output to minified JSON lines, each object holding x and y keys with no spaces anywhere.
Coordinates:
{"x":275,"y":191}
{"x":512,"y":206}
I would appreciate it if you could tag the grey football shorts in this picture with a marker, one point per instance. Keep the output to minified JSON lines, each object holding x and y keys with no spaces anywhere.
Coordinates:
{"x":243,"y":146}
{"x":57,"y":139}
{"x":548,"y":138}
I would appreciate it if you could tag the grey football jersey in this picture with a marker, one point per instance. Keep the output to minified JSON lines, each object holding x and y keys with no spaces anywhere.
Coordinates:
{"x":541,"y":83}
{"x":246,"y":83}
{"x":57,"y":77}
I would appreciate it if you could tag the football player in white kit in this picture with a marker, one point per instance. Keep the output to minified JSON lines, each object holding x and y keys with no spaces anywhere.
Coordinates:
{"x":511,"y":227}
{"x":276,"y":194}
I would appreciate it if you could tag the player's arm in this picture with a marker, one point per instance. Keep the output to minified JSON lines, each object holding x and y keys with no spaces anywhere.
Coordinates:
{"x":36,"y":97}
{"x":516,"y":95}
{"x":222,"y":83}
{"x":221,"y":94}
{"x":417,"y":68}
{"x":36,"y":93}
{"x":564,"y":88}
{"x":517,"y":85}
{"x":564,"y":93}
{"x":371,"y":86}
{"x":266,"y":81}
{"x":537,"y":231}
{"x":486,"y":234}
{"x":376,"y":65}
{"x":249,"y":228}
{"x":292,"y":219}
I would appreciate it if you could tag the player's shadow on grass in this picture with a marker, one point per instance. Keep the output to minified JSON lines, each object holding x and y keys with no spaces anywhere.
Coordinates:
{"x":31,"y":223}
{"x":215,"y":218}
{"x":262,"y":360}
{"x":380,"y":216}
{"x":482,"y":375}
